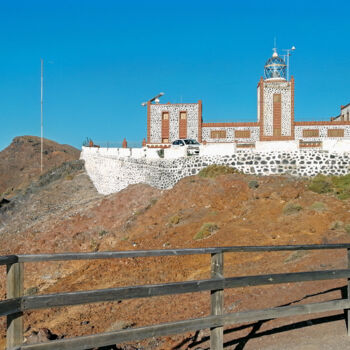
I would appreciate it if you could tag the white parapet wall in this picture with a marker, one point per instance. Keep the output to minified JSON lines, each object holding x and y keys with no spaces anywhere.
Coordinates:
{"x":112,"y":170}
{"x":174,"y":153}
{"x":336,"y":145}
{"x":285,"y":146}
{"x":215,"y":149}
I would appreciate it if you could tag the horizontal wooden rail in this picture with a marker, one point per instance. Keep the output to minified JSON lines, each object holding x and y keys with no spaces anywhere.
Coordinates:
{"x":173,"y":252}
{"x":112,"y":294}
{"x":10,"y":306}
{"x":17,"y":303}
{"x":140,"y":333}
{"x":9,"y":259}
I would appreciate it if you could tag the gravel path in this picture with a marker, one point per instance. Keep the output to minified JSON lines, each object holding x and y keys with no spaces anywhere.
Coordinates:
{"x":328,"y":334}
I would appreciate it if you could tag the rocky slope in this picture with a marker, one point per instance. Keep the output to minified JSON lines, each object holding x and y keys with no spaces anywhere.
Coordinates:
{"x":20,"y":161}
{"x":63,"y":212}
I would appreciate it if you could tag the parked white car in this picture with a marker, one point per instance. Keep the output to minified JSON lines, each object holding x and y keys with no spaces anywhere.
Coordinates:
{"x":191,"y":145}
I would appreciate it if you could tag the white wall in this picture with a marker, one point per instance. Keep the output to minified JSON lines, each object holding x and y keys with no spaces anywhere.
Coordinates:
{"x":335,"y":145}
{"x":215,"y":149}
{"x":267,"y":146}
{"x":175,"y":152}
{"x":111,"y":174}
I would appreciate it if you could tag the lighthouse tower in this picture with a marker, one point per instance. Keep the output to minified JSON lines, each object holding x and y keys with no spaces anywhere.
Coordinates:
{"x":276,"y":101}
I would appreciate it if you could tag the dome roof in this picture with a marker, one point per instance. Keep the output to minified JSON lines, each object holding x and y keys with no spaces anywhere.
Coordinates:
{"x":275,"y":67}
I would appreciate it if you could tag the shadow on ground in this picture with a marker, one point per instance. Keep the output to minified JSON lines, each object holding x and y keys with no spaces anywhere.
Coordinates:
{"x":193,"y":342}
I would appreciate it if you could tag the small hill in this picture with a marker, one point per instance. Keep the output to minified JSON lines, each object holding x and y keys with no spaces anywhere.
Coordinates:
{"x":20,"y":162}
{"x":62,"y":212}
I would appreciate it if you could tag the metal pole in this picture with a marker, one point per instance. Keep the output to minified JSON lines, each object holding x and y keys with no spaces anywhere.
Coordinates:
{"x":41,"y":113}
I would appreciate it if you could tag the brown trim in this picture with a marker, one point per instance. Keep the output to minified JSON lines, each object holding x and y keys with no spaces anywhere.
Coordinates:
{"x":218,"y":134}
{"x":242,"y":134}
{"x":330,"y":123}
{"x":227,"y":142}
{"x":276,"y":81}
{"x":335,"y":132}
{"x":168,"y":103}
{"x":277,"y":115}
{"x":307,"y":144}
{"x":311,"y":133}
{"x":273,"y":138}
{"x":245,"y":145}
{"x":148,"y":122}
{"x":221,"y":125}
{"x":200,"y":120}
{"x":157,"y":145}
{"x":165,"y":126}
{"x":182,"y":126}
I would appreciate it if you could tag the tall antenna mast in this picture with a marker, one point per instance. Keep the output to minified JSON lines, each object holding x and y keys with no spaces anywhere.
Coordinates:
{"x":41,"y":110}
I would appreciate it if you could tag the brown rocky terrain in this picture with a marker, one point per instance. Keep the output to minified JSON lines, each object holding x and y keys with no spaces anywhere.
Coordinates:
{"x":62,"y":212}
{"x":20,"y":161}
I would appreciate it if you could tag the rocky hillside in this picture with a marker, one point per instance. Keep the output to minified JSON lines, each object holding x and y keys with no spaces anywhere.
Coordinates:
{"x":20,"y":161}
{"x":63,"y":212}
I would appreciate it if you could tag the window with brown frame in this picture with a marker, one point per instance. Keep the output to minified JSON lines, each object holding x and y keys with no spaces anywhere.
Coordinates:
{"x":218,"y":134}
{"x":311,"y":133}
{"x":276,"y":132}
{"x":335,"y":132}
{"x":242,"y":134}
{"x":165,"y":116}
{"x":183,"y":115}
{"x":276,"y":97}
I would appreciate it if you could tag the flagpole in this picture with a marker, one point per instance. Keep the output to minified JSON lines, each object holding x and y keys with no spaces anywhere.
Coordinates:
{"x":41,"y":113}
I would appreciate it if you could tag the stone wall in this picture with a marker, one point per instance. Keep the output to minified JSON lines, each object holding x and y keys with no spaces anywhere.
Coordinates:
{"x":174,"y":110}
{"x":284,"y":89}
{"x":113,"y":173}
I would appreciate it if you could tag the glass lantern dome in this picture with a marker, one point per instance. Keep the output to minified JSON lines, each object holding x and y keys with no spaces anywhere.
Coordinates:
{"x":275,"y":67}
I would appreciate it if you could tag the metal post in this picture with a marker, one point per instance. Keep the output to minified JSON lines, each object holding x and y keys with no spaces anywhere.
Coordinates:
{"x":217,"y":301}
{"x":14,"y":286}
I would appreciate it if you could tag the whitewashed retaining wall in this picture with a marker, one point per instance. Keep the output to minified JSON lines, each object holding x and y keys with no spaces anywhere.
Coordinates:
{"x":112,"y":173}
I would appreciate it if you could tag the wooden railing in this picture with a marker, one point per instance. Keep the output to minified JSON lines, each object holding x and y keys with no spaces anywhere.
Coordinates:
{"x":17,"y":303}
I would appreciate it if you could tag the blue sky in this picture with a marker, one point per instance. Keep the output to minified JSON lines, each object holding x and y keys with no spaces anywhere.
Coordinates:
{"x":103,"y":58}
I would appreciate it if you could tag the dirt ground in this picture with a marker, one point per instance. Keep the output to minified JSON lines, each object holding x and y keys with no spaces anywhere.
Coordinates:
{"x":68,"y":215}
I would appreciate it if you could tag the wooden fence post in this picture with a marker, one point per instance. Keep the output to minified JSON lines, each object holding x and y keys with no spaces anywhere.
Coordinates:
{"x":217,"y":301}
{"x":14,"y":335}
{"x":347,"y":311}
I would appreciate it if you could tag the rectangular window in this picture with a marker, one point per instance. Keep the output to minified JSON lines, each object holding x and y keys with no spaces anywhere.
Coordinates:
{"x":245,"y":145}
{"x":165,"y":140}
{"x":311,"y":133}
{"x":308,"y":144}
{"x":240,"y":134}
{"x":277,"y":116}
{"x":335,"y":132}
{"x":183,"y":125}
{"x":218,"y":134}
{"x":276,"y":97}
{"x":277,"y":132}
{"x":165,"y":116}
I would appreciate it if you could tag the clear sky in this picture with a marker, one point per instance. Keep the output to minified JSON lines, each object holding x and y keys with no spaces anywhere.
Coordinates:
{"x":103,"y":58}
